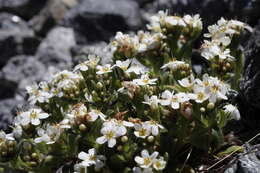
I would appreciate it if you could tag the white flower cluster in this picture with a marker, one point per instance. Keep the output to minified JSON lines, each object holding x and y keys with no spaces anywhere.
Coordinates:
{"x":162,"y":19}
{"x":221,"y":35}
{"x":131,"y":105}
{"x":142,"y":42}
{"x":210,"y":88}
{"x":149,"y":162}
{"x":114,"y":128}
{"x":90,"y":158}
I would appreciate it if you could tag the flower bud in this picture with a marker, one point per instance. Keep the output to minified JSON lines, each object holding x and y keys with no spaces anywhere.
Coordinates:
{"x":26,"y":158}
{"x":210,"y":106}
{"x":33,"y":163}
{"x":202,"y":109}
{"x":150,"y":139}
{"x":124,"y":139}
{"x":82,"y":127}
{"x":119,"y":148}
{"x":48,"y":158}
{"x":35,"y":156}
{"x":228,"y":65}
{"x":99,"y":85}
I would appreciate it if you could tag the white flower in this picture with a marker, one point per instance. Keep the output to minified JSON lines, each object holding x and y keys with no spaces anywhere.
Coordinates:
{"x":153,"y":126}
{"x":145,"y":80}
{"x":152,"y":101}
{"x":119,"y":124}
{"x":5,"y":137}
{"x":139,"y":170}
{"x":146,"y":160}
{"x":216,"y":90}
{"x":199,"y":94}
{"x":110,"y":133}
{"x":32,"y":116}
{"x":17,"y":131}
{"x":91,"y":158}
{"x":157,"y":20}
{"x":173,"y":65}
{"x":187,"y":82}
{"x":122,"y":64}
{"x":194,"y":21}
{"x":50,"y":135}
{"x":93,"y":60}
{"x":81,"y":66}
{"x":149,"y":41}
{"x":233,"y":111}
{"x":88,"y":97}
{"x":174,"y":100}
{"x":136,"y":68}
{"x":38,"y":95}
{"x":141,"y":130}
{"x":159,"y":164}
{"x":104,"y":69}
{"x":125,"y":44}
{"x":171,"y":21}
{"x":225,"y":54}
{"x":79,"y":110}
{"x":94,"y":114}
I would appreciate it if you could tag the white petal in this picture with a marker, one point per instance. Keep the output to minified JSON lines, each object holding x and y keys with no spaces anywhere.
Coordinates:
{"x":101,"y":140}
{"x":111,"y":143}
{"x":175,"y":105}
{"x":83,"y":156}
{"x":139,"y":160}
{"x":35,"y":122}
{"x":43,"y":115}
{"x":145,"y":153}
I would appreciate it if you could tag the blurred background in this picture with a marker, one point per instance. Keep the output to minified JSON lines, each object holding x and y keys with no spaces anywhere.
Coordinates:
{"x":39,"y":37}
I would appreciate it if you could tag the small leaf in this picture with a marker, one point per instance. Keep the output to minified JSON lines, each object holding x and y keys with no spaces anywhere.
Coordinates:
{"x":230,"y":150}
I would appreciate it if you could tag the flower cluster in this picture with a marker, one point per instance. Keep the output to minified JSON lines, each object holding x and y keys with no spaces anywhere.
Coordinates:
{"x":222,"y":49}
{"x":100,"y":117}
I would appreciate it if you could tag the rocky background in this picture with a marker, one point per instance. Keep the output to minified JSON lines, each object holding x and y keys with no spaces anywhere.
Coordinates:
{"x":39,"y":37}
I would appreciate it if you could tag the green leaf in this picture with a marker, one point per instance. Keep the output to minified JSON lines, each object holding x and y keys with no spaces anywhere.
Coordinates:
{"x":234,"y":148}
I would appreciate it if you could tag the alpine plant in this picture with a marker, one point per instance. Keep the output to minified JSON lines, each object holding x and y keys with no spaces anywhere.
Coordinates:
{"x":139,"y":113}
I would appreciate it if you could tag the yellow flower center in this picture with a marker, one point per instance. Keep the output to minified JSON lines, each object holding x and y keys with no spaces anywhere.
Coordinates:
{"x":110,"y":135}
{"x":147,"y":160}
{"x":142,"y":132}
{"x":201,"y":96}
{"x":33,"y":115}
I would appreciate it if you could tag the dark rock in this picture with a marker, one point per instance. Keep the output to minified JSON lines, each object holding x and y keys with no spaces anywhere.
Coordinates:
{"x":55,"y":49}
{"x":23,"y":70}
{"x":246,"y":162}
{"x":15,"y":38}
{"x":50,"y":15}
{"x":7,"y":88}
{"x":249,"y":100}
{"x":24,"y":8}
{"x":95,"y":20}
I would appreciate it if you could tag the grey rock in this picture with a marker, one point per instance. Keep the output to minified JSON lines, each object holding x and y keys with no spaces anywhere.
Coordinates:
{"x":23,"y":8}
{"x":99,"y":20}
{"x":53,"y":12}
{"x":55,"y":49}
{"x":23,"y":70}
{"x":15,"y":38}
{"x":246,"y":162}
